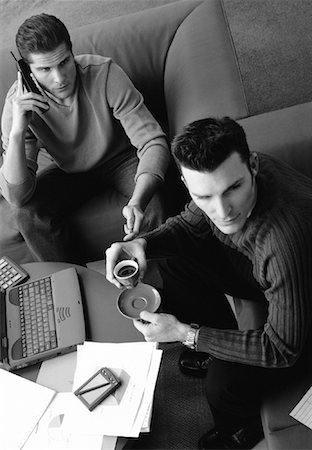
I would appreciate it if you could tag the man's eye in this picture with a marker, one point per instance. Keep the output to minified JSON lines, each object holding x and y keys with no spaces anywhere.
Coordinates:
{"x":236,"y":186}
{"x":65,"y":61}
{"x":205,"y":198}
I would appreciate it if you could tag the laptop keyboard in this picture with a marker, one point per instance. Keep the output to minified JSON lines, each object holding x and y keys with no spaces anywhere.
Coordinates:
{"x":37,"y":317}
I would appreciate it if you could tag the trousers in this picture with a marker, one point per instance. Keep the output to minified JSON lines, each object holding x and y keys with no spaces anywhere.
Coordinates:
{"x":192,"y":290}
{"x":42,"y":220}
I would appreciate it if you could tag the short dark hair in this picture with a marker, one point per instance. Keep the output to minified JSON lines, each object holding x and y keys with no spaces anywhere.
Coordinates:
{"x":205,"y":144}
{"x":41,"y":33}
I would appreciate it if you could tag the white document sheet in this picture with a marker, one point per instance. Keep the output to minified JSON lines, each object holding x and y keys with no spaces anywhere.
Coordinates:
{"x":58,"y":373}
{"x":23,"y":404}
{"x":303,"y":410}
{"x":49,"y":434}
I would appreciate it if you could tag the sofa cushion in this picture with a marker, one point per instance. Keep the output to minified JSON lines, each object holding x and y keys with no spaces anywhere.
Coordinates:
{"x":285,"y":134}
{"x":297,"y":437}
{"x":283,"y":431}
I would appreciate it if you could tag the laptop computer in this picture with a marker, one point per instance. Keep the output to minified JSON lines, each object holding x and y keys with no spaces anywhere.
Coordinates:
{"x":40,"y":319}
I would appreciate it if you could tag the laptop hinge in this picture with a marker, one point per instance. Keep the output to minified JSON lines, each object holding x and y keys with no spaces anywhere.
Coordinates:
{"x":3,"y":329}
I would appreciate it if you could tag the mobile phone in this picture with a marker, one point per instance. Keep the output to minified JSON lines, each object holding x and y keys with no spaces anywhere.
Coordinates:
{"x":25,"y":71}
{"x":97,"y":388}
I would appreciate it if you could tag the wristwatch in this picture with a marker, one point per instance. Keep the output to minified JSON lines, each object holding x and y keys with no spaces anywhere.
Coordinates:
{"x":191,"y":337}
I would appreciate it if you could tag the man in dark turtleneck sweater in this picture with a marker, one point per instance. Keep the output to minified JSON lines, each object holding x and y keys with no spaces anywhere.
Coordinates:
{"x":247,"y":233}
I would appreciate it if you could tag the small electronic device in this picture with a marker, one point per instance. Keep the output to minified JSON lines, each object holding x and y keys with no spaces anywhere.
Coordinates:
{"x":25,"y":71}
{"x":97,"y":388}
{"x":28,"y":82}
{"x":11,"y":273}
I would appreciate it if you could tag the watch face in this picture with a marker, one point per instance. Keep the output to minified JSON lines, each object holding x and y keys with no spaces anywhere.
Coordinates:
{"x":191,"y":336}
{"x":190,"y":339}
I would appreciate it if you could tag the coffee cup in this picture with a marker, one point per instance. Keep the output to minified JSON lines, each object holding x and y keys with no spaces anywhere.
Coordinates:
{"x":127,"y":273}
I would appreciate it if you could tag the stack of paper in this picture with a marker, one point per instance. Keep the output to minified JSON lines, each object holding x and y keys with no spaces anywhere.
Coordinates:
{"x":68,"y":424}
{"x":127,"y":411}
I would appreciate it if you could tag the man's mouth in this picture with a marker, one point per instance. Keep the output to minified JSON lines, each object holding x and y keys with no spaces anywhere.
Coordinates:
{"x":62,"y":88}
{"x":229,"y":221}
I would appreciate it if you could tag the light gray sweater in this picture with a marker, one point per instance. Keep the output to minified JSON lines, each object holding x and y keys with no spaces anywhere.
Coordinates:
{"x":107,"y":113}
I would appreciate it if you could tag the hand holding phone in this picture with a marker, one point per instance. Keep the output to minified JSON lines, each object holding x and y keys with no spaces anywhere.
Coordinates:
{"x":28,"y":82}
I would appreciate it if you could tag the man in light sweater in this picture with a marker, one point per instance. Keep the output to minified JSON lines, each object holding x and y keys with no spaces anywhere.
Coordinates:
{"x":246,"y":233}
{"x":93,"y":122}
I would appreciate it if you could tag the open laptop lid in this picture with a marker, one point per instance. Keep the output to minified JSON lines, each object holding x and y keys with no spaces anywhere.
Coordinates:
{"x":68,"y":320}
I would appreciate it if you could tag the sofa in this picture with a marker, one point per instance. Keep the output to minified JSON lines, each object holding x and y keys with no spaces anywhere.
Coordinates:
{"x":193,"y":59}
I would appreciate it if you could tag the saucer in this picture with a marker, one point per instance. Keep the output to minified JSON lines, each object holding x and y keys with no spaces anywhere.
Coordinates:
{"x":142,"y":297}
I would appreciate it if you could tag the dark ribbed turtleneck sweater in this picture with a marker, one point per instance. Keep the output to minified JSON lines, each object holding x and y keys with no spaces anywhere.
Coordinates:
{"x":268,"y":261}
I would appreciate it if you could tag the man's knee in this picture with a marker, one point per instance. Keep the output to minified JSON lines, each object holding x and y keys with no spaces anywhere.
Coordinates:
{"x":26,"y":217}
{"x":20,"y":212}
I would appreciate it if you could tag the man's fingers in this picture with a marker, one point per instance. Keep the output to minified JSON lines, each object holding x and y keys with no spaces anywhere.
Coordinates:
{"x":20,"y":88}
{"x":147,"y":316}
{"x":134,"y":217}
{"x":112,"y":255}
{"x":130,"y":222}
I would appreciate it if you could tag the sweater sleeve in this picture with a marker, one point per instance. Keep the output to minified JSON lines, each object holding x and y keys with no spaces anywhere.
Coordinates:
{"x":285,"y":273}
{"x":140,"y":126}
{"x":17,"y":193}
{"x":186,"y":230}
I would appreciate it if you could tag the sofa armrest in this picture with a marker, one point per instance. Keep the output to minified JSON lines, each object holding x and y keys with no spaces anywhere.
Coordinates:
{"x":285,"y":134}
{"x":201,"y":76}
{"x":281,"y":430}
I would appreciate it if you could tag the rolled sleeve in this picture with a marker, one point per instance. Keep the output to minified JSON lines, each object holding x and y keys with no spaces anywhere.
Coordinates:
{"x":140,"y":126}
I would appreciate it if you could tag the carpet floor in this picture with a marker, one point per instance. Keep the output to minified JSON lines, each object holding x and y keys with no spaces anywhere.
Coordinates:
{"x":181,"y":414}
{"x":73,"y":13}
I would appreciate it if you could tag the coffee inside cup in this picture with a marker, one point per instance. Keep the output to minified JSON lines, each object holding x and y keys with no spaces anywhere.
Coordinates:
{"x":126,"y":271}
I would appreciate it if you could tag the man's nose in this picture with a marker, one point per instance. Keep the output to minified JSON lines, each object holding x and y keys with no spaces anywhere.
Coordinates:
{"x":222,"y":208}
{"x":58,"y":76}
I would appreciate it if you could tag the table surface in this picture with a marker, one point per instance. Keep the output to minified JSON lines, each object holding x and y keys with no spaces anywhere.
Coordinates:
{"x":103,"y":321}
{"x":178,"y":420}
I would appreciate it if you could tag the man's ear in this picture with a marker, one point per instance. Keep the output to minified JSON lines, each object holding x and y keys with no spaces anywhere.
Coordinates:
{"x":254,"y":163}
